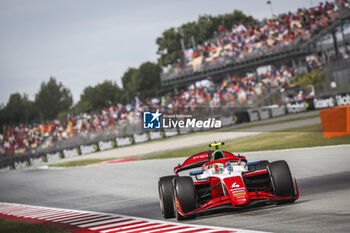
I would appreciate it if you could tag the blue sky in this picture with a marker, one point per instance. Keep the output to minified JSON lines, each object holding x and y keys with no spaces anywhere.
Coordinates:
{"x":84,"y":42}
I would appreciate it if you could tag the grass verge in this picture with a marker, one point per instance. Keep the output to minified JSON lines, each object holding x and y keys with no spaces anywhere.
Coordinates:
{"x":307,"y":136}
{"x":259,"y":124}
{"x":12,"y":226}
{"x":78,"y":163}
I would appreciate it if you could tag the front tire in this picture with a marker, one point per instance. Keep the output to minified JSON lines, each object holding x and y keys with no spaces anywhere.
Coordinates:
{"x":282,"y":180}
{"x":165,"y":188}
{"x":184,"y":191}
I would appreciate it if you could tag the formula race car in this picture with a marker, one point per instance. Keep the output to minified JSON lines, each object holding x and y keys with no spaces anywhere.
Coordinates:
{"x":225,"y":180}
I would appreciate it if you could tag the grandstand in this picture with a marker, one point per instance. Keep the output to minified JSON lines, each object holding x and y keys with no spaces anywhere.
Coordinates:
{"x":286,"y":39}
{"x":226,"y":74}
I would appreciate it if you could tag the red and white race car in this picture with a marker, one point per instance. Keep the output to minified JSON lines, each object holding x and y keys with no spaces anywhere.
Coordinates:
{"x":224,"y":180}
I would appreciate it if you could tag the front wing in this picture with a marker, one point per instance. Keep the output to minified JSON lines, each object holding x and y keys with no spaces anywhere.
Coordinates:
{"x":256,"y":197}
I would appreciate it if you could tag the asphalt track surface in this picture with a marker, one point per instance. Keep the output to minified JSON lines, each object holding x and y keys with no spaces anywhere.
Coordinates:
{"x":323,"y":175}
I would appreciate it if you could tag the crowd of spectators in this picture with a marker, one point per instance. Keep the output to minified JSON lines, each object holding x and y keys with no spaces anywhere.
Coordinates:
{"x":242,"y":40}
{"x":236,"y":91}
{"x":265,"y":36}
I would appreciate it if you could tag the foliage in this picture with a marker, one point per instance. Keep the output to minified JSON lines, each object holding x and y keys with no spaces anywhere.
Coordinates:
{"x":149,"y":78}
{"x":102,"y":95}
{"x":142,"y":82}
{"x":19,"y":109}
{"x":204,"y":29}
{"x":130,"y":83}
{"x":310,"y":78}
{"x":52,"y":98}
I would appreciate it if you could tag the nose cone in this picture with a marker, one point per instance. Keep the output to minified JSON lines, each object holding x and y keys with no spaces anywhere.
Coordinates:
{"x":236,"y":190}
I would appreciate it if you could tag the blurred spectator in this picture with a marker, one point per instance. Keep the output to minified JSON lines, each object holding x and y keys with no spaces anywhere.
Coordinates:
{"x":267,"y":35}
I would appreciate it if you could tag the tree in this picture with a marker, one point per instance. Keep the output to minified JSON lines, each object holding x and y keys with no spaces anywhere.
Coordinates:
{"x":100,"y":96}
{"x":131,"y":84}
{"x":15,"y":109}
{"x":19,"y":109}
{"x":52,"y":99}
{"x":169,"y":47}
{"x":143,"y":81}
{"x":3,"y":116}
{"x":149,"y":79}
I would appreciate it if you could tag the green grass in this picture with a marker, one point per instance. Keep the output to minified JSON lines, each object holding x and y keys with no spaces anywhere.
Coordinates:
{"x":184,"y":152}
{"x":257,"y":124}
{"x":307,"y":136}
{"x":78,"y":163}
{"x":11,"y":226}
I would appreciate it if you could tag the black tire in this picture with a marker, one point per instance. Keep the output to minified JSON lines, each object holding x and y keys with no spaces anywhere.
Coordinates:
{"x":184,"y":190}
{"x":165,"y":188}
{"x":282,"y":180}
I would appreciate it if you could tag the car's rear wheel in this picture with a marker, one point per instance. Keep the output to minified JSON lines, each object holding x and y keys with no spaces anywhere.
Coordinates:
{"x":165,"y":188}
{"x":282,"y":180}
{"x":184,"y":191}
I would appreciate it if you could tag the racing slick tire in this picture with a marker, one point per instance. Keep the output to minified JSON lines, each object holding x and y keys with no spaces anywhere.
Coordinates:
{"x":184,"y":191}
{"x":165,"y":188}
{"x":282,"y":180}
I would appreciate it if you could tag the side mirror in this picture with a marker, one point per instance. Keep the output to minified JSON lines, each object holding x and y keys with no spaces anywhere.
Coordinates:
{"x":194,"y":173}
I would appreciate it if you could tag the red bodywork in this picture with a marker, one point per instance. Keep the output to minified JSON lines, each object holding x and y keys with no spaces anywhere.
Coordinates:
{"x":234,"y":192}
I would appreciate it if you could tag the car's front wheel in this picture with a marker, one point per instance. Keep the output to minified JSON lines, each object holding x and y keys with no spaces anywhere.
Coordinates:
{"x":282,"y":180}
{"x":184,"y":196}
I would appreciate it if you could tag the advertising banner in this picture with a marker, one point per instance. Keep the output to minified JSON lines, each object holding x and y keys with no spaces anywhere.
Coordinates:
{"x":185,"y":130}
{"x":88,"y":149}
{"x":296,"y":107}
{"x":343,"y":99}
{"x":5,"y":169}
{"x":277,"y":111}
{"x":36,"y":161}
{"x":52,"y":157}
{"x":138,"y":138}
{"x":123,"y":141}
{"x":170,"y":132}
{"x":155,"y":135}
{"x":226,"y":121}
{"x":69,"y":153}
{"x":106,"y":145}
{"x":324,"y":102}
{"x":20,"y":164}
{"x":264,"y":113}
{"x":253,"y":115}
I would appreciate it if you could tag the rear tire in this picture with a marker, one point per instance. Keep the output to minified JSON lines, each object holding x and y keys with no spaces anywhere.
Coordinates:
{"x":282,"y":180}
{"x":184,"y":190}
{"x":165,"y":188}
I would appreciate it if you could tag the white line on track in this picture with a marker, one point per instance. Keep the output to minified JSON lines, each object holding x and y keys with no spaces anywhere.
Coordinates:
{"x":93,"y":219}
